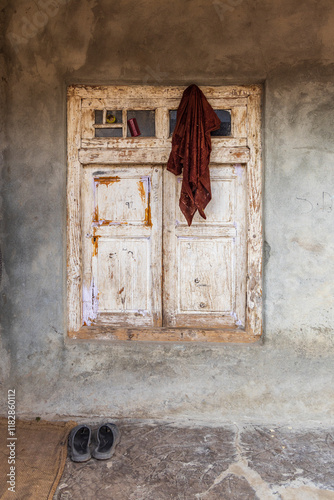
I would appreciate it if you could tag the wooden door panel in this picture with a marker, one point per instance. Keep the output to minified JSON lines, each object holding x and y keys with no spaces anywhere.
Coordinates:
{"x":122,"y":247}
{"x":205,"y":285}
{"x":123,"y":275}
{"x":121,"y":200}
{"x":205,"y":264}
{"x":221,"y":207}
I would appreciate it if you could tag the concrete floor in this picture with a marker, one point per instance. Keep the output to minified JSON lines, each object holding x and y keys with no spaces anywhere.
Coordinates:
{"x":162,"y":461}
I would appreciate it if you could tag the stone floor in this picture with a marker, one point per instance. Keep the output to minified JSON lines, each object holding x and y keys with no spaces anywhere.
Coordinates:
{"x":162,"y":461}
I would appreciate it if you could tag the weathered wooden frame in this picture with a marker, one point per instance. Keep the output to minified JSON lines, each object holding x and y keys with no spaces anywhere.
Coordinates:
{"x":243,"y":147}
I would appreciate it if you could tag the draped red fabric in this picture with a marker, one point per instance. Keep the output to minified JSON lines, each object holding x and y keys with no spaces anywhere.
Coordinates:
{"x":191,"y":148}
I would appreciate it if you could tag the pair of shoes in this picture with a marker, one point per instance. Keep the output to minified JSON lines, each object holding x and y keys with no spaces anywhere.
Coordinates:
{"x":105,"y":438}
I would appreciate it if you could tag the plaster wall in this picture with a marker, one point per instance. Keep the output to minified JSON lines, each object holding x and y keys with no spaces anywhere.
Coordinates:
{"x":287,"y":45}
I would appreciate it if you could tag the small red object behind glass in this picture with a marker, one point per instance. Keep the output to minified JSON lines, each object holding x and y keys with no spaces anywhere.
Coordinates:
{"x":133,"y":126}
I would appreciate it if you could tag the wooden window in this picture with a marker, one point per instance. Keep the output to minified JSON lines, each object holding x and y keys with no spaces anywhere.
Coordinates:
{"x":136,"y":271}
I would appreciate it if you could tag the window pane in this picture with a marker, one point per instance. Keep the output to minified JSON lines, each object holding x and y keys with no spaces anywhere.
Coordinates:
{"x":98,"y":117}
{"x":225,"y":123}
{"x":223,"y":115}
{"x":172,"y":120}
{"x":145,"y":120}
{"x":108,"y":132}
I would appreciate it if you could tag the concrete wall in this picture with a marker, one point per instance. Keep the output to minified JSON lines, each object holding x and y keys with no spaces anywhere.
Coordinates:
{"x":285,"y":44}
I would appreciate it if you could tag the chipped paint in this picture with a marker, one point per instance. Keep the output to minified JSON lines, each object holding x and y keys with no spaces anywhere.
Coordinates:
{"x":239,"y":170}
{"x":95,"y":242}
{"x":95,"y":215}
{"x":145,"y":195}
{"x":106,"y":181}
{"x":103,"y":222}
{"x":90,"y":299}
{"x":112,"y":223}
{"x":148,"y":219}
{"x":98,"y":223}
{"x":142,"y":191}
{"x":141,"y":312}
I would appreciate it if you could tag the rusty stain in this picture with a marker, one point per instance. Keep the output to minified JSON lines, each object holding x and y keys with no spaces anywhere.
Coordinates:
{"x":106,"y":181}
{"x":90,"y":322}
{"x":121,"y":290}
{"x":142,"y":192}
{"x":146,"y":201}
{"x":103,"y":222}
{"x":108,"y":223}
{"x":148,"y":219}
{"x":96,"y":214}
{"x":95,"y":242}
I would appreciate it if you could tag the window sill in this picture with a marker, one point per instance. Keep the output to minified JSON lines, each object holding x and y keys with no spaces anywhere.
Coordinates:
{"x":163,"y":335}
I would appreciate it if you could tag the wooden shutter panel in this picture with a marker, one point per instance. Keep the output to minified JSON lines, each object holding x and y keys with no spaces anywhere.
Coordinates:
{"x":122,"y":246}
{"x":205,"y":264}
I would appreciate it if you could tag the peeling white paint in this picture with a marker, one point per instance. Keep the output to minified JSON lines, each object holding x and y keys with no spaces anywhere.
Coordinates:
{"x":89,"y":304}
{"x":239,"y":170}
{"x":147,"y":183}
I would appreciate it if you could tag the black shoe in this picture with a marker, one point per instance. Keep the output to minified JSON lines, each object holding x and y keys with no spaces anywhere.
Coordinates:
{"x":106,"y":438}
{"x":79,"y":441}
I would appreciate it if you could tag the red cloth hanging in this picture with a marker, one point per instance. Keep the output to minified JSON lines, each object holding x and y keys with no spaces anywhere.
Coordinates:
{"x":191,"y":148}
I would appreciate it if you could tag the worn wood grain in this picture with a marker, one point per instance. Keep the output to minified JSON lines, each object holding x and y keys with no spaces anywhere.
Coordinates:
{"x":239,"y":121}
{"x":255,"y":239}
{"x":162,"y":125}
{"x":87,"y":123}
{"x":155,"y":155}
{"x":138,"y":91}
{"x":163,"y":335}
{"x":74,"y":254}
{"x":150,"y":142}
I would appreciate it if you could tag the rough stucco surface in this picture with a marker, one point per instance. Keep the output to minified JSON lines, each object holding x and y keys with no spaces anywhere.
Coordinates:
{"x":286,"y":45}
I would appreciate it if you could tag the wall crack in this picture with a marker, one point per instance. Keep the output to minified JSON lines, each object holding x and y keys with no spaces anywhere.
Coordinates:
{"x":241,"y":469}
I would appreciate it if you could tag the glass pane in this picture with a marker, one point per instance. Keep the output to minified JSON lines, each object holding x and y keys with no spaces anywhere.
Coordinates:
{"x":98,"y":116}
{"x":223,"y":115}
{"x":225,"y":123}
{"x":108,"y":132}
{"x":114,"y":116}
{"x":172,"y":120}
{"x":145,"y":121}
